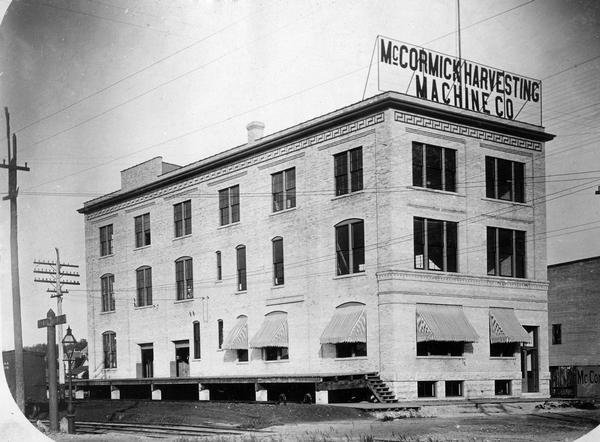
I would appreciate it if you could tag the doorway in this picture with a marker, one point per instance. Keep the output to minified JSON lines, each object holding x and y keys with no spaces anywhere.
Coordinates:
{"x":530,"y":362}
{"x":182,"y":358}
{"x":147,"y":360}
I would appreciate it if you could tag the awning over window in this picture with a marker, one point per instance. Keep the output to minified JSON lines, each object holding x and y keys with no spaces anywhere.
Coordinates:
{"x":237,"y":338}
{"x":273,"y":332}
{"x":443,"y":323}
{"x":505,"y":327}
{"x":348,"y":324}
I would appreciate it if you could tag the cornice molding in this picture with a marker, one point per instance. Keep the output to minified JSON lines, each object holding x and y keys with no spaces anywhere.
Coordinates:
{"x":468,"y":131}
{"x":461,"y":279}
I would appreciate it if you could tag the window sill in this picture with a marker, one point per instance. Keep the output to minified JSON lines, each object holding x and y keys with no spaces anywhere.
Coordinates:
{"x":141,"y":247}
{"x":503,"y":358}
{"x":178,"y":238}
{"x":110,"y":255}
{"x":518,"y":278}
{"x":218,"y":281}
{"x":278,"y":287}
{"x":440,"y":357}
{"x":353,"y":358}
{"x":443,"y":192}
{"x":241,"y":292}
{"x":183,"y":301}
{"x":278,"y":361}
{"x":291,"y":209}
{"x":241,"y":363}
{"x":515,"y":203}
{"x":436,"y":271}
{"x":348,"y":195}
{"x":110,"y":369}
{"x":143,"y":307}
{"x":108,"y":312}
{"x":196,"y":359}
{"x":225,"y":226}
{"x":350,"y":275}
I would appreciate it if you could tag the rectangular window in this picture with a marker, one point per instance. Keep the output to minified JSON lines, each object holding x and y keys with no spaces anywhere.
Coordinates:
{"x":109,"y":345}
{"x":108,"y":295}
{"x":229,"y":205}
{"x":241,"y":267}
{"x":504,"y":179}
{"x":350,"y":247}
{"x":220,"y":332}
{"x":502,"y":387}
{"x":183,"y":218}
{"x":435,"y":245}
{"x":426,"y":388}
{"x":242,"y":355}
{"x":184,"y":278}
{"x":506,"y":252}
{"x":350,"y":349}
{"x":196,"y":340}
{"x":275,"y":353}
{"x":142,"y":230}
{"x":440,"y":348}
{"x":278,"y":261}
{"x":348,"y":171}
{"x":434,"y":167}
{"x":556,"y":334}
{"x":219,"y":266}
{"x":454,"y":388}
{"x":144,"y":286}
{"x":284,"y":189}
{"x":106,"y":240}
{"x":503,"y":349}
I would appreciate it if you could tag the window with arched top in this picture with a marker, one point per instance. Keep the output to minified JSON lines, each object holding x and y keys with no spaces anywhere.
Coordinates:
{"x":109,"y":347}
{"x":272,"y":337}
{"x":144,"y":286}
{"x":347,"y":331}
{"x":184,"y":278}
{"x":241,"y":267}
{"x":278,"y":278}
{"x":107,"y":292}
{"x":350,"y":246}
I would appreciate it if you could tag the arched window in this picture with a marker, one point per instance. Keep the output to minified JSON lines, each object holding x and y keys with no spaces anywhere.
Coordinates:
{"x":241,"y":267}
{"x":184,"y":278}
{"x":144,"y":286}
{"x":109,"y":346}
{"x":277,"y":260}
{"x":350,"y":246}
{"x":272,"y":337}
{"x":108,"y":295}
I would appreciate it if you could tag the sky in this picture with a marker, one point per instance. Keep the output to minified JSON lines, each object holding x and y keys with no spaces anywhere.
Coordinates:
{"x":96,"y":86}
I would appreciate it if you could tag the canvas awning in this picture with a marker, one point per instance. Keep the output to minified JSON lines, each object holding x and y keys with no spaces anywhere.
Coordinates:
{"x":348,"y":324}
{"x":272,"y":333}
{"x":443,"y":323}
{"x":237,"y":338}
{"x":505,"y":327}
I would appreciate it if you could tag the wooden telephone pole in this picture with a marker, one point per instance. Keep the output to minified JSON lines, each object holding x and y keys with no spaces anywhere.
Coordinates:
{"x":55,"y":271}
{"x":14,"y":260}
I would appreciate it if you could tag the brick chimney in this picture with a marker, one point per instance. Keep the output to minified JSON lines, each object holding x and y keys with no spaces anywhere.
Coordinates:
{"x":255,"y":130}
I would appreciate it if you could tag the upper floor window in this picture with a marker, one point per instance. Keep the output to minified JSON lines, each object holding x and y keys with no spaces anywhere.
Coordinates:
{"x":183,"y":218}
{"x":505,"y":252}
{"x":504,"y":179}
{"x":144,"y":286}
{"x":106,"y":240}
{"x":350,"y":246}
{"x":556,"y":334}
{"x":108,"y":295}
{"x":284,"y":189}
{"x":278,"y":261}
{"x":109,"y":347}
{"x":229,"y":205}
{"x":184,"y":278}
{"x":348,"y":171}
{"x":435,"y":244}
{"x":241,"y":267}
{"x":220,"y":332}
{"x":434,"y":167}
{"x":142,"y":230}
{"x":219,"y":265}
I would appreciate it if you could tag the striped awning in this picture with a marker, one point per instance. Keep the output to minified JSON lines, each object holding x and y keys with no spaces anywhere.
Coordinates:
{"x":348,"y":324}
{"x":443,"y":323}
{"x":272,"y":333}
{"x":237,"y":338}
{"x":505,"y":327}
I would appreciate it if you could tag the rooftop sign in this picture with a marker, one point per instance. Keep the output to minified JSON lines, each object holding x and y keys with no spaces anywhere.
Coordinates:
{"x":461,"y":83}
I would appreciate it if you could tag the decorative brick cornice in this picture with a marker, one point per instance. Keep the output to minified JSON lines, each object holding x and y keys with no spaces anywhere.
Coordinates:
{"x":252,"y":160}
{"x":462,"y":279}
{"x":467,"y":131}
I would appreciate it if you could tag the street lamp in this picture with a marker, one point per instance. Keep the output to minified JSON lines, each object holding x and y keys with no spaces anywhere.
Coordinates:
{"x":69,"y":342}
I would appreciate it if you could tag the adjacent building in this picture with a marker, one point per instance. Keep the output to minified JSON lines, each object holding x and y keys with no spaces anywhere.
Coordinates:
{"x":394,"y":245}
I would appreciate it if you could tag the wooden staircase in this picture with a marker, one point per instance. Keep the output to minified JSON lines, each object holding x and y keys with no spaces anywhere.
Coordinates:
{"x":380,"y":389}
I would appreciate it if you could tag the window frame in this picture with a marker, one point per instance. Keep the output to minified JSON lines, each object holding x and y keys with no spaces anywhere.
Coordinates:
{"x":516,"y":181}
{"x":556,"y":334}
{"x":347,"y":350}
{"x":518,"y":252}
{"x":144,"y":291}
{"x":106,"y":240}
{"x":220,"y":333}
{"x":109,"y":337}
{"x":182,"y":218}
{"x":440,"y":348}
{"x":278,"y":261}
{"x":422,"y":167}
{"x":143,"y":236}
{"x":459,"y":384}
{"x":348,"y":171}
{"x":229,"y":205}
{"x":422,"y":242}
{"x":242,"y":282}
{"x":196,"y":340}
{"x":107,"y":291}
{"x":276,"y":353}
{"x":355,"y":256}
{"x":184,"y":278}
{"x":219,"y":265}
{"x":498,"y":390}
{"x":283,"y":190}
{"x":423,"y":386}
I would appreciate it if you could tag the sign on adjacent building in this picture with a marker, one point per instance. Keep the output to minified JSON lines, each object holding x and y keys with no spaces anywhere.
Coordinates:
{"x":433,"y":76}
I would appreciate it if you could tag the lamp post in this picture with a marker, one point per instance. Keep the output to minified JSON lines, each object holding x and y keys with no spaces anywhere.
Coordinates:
{"x":69,"y":343}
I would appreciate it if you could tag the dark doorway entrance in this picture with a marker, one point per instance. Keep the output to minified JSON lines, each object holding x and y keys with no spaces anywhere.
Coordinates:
{"x":147,"y":360}
{"x":182,"y":358}
{"x":530,"y":362}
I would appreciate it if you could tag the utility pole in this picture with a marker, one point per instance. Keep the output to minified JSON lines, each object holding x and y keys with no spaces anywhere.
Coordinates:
{"x":13,"y":190}
{"x":54,"y":269}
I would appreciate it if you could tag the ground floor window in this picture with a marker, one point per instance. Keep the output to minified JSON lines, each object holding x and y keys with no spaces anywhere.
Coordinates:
{"x":503,"y":349}
{"x":242,"y":355}
{"x":426,"y":389}
{"x":350,"y":349}
{"x":502,"y":387}
{"x":275,"y":353}
{"x":440,"y":348}
{"x":454,"y":388}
